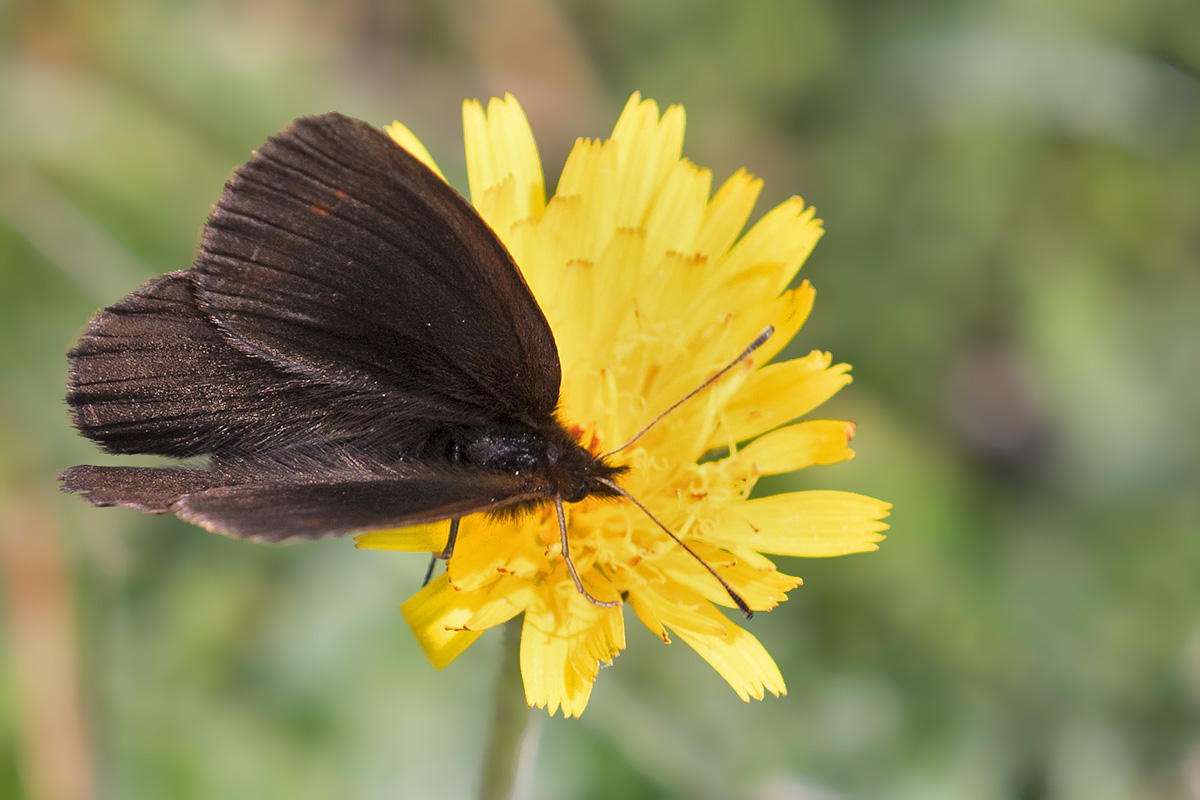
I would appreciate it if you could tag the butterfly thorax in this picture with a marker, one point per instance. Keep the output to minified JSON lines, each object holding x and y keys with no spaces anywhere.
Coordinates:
{"x":546,"y":452}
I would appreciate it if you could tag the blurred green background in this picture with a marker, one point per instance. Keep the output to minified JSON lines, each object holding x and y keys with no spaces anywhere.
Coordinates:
{"x":1011,"y":191}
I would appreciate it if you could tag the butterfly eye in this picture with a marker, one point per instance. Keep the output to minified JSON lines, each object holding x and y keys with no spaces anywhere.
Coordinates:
{"x":577,"y":491}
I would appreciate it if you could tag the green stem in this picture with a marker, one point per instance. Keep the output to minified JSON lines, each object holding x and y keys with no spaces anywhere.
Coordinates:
{"x":513,"y":742}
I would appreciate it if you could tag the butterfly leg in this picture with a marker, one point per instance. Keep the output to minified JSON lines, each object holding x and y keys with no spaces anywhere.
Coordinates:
{"x":447,"y":551}
{"x":562,"y":532}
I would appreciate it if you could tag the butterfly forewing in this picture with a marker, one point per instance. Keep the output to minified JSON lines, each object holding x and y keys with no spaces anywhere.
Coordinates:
{"x":334,"y":252}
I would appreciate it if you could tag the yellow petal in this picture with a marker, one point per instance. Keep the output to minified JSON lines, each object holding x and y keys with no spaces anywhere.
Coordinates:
{"x":785,"y":235}
{"x":620,"y":263}
{"x":437,"y":615}
{"x":500,"y":144}
{"x":741,"y":660}
{"x":674,"y":605}
{"x":588,"y":205}
{"x":402,"y":136}
{"x":487,"y":548}
{"x":648,"y":149}
{"x":501,"y":208}
{"x":762,"y":587}
{"x":429,"y":538}
{"x":658,"y":296}
{"x":576,"y":292}
{"x":508,"y":597}
{"x":718,"y":335}
{"x":813,"y":524}
{"x":788,"y":315}
{"x":734,"y":653}
{"x":599,"y":645}
{"x":562,"y":649}
{"x":819,"y":441}
{"x":726,"y":214}
{"x":674,"y":217}
{"x":644,"y":608}
{"x":779,"y":393}
{"x":523,"y":244}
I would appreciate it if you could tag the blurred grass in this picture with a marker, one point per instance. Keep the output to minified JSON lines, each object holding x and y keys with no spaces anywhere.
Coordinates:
{"x":1010,"y":191}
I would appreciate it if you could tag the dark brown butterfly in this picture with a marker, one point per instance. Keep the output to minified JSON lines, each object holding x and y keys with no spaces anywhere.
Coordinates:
{"x":354,"y":349}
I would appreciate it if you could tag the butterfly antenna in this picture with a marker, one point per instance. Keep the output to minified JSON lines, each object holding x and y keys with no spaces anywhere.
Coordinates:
{"x":562,"y":532}
{"x":734,"y":596}
{"x":758,"y":342}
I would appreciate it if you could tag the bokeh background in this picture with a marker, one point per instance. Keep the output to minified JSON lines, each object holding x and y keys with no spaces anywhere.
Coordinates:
{"x":1012,"y":196}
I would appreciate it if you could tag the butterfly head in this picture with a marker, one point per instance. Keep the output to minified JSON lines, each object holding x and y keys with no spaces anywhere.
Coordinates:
{"x":578,"y":473}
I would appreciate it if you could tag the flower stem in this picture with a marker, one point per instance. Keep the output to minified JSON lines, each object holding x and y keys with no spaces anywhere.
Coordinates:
{"x":513,"y":743}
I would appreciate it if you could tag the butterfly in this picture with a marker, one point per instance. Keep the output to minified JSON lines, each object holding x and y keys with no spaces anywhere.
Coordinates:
{"x":353,"y":349}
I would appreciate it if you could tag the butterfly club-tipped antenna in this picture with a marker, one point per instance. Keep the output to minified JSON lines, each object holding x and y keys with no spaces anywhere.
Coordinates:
{"x":758,"y":342}
{"x":734,"y":596}
{"x":737,"y":599}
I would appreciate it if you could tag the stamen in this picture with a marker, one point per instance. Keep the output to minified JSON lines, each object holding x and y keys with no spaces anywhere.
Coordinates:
{"x":734,"y":596}
{"x":759,"y":341}
{"x":562,"y":531}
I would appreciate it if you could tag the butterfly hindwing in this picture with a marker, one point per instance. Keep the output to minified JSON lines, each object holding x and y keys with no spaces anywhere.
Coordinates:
{"x":274,"y":512}
{"x":275,"y":506}
{"x":149,"y":489}
{"x":153,"y":374}
{"x":334,"y":252}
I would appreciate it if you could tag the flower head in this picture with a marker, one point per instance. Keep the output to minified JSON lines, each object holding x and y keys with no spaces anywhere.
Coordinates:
{"x":650,"y":286}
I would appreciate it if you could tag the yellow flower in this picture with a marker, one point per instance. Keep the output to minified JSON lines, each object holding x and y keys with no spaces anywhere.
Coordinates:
{"x":649,"y":288}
